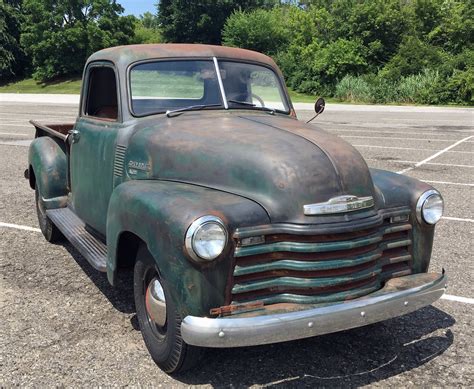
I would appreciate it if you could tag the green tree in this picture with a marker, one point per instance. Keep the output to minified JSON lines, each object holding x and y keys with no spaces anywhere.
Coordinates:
{"x":59,"y":35}
{"x":202,"y":21}
{"x":12,"y":57}
{"x":260,"y":30}
{"x":147,"y":29}
{"x":412,"y":57}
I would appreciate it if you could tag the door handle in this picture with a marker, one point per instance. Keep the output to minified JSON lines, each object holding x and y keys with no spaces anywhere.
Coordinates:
{"x":74,"y":135}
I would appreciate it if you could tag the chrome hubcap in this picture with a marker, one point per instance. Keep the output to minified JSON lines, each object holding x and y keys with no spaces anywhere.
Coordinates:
{"x":155,"y":302}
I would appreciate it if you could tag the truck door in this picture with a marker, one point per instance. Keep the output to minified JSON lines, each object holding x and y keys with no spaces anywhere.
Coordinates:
{"x":93,"y":143}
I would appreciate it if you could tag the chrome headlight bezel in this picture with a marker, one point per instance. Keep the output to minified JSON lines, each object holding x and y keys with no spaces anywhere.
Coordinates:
{"x":194,"y":228}
{"x":421,"y":202}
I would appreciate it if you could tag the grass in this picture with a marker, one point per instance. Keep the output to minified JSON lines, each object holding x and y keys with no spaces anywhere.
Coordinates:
{"x":73,"y":86}
{"x":28,"y":85}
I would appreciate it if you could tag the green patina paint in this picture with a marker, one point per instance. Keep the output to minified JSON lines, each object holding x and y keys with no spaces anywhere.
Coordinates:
{"x":47,"y":159}
{"x":304,"y":283}
{"x":288,"y":264}
{"x":155,"y":175}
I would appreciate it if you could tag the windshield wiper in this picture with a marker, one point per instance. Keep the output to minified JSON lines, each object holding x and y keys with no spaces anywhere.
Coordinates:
{"x":190,"y":108}
{"x":269,"y":110}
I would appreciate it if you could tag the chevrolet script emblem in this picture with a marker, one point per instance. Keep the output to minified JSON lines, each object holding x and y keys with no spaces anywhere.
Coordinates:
{"x":347,"y":203}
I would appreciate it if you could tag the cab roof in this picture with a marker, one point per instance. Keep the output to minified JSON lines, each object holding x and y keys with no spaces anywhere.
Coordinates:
{"x":123,"y":56}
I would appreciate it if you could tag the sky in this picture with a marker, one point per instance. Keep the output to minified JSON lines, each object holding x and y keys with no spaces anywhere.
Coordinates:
{"x":138,"y":7}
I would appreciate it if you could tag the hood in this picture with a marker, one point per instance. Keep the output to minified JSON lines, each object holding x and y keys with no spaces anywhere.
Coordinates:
{"x":279,"y":162}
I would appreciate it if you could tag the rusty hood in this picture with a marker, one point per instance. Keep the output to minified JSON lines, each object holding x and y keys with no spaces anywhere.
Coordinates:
{"x":277,"y":161}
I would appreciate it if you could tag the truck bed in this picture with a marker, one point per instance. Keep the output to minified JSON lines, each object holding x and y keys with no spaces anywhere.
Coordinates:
{"x":55,"y":130}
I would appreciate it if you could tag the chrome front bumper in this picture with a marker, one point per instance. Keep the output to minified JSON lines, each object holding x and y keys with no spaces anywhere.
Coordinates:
{"x":398,"y":297}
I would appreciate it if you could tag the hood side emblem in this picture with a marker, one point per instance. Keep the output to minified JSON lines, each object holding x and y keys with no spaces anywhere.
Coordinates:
{"x":340,"y":204}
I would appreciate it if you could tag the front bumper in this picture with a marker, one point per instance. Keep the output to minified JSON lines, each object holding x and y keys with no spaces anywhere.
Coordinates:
{"x":398,"y":297}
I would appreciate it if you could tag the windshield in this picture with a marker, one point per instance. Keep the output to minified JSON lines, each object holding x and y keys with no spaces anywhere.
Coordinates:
{"x":162,"y":86}
{"x":168,"y":85}
{"x":252,"y":84}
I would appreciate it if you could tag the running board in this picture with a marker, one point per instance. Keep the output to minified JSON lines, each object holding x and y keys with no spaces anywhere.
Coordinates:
{"x":74,"y":229}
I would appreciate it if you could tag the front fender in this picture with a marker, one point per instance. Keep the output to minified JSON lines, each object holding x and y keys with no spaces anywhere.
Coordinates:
{"x":396,"y":190}
{"x":47,"y":159}
{"x":159,"y":213}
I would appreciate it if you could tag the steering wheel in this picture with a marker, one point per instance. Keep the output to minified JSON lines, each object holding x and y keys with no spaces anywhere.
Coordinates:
{"x":259,"y":99}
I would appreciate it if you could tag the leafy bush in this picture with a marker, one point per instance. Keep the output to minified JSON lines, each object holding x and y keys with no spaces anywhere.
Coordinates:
{"x":379,"y":51}
{"x":147,"y":29}
{"x":353,"y":89}
{"x":419,"y":88}
{"x":260,"y":30}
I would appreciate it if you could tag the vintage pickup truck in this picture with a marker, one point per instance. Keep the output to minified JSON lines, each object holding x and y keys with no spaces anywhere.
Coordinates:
{"x":244,"y":226}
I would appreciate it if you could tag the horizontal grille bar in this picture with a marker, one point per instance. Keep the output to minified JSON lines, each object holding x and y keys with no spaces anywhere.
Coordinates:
{"x":304,"y":282}
{"x":307,"y":265}
{"x":320,"y":299}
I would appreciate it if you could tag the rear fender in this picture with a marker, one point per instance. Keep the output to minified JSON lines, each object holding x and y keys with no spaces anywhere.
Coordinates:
{"x":47,"y":163}
{"x":159,"y":213}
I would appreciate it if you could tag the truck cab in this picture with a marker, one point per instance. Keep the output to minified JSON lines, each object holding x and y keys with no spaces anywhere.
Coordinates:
{"x":244,"y":226}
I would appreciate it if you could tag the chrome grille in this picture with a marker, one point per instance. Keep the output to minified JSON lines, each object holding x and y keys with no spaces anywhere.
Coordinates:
{"x":293,"y":268}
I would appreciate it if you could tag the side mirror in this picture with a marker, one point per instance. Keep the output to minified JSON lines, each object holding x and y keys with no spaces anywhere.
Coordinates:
{"x":319,"y":106}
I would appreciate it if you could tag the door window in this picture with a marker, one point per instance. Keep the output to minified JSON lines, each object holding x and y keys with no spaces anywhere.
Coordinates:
{"x":102,"y":94}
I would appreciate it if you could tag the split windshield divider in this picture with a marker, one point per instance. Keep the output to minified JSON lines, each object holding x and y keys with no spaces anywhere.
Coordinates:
{"x":221,"y":85}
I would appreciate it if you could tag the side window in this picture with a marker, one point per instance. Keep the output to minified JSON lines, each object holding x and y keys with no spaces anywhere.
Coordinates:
{"x":102,"y":94}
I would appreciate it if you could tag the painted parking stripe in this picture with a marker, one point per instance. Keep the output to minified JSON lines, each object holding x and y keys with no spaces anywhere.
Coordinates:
{"x":13,"y":134}
{"x":459,"y":299}
{"x":435,"y":155}
{"x":19,"y":227}
{"x":458,"y":219}
{"x":408,"y":132}
{"x":427,"y":163}
{"x":412,"y":148}
{"x":396,"y":138}
{"x":447,"y":183}
{"x":15,"y":125}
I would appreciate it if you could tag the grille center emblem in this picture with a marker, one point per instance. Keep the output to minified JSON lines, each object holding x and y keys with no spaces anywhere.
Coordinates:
{"x":339,"y":204}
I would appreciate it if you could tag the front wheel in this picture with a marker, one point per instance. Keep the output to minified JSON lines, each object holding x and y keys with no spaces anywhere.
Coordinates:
{"x":160,"y":322}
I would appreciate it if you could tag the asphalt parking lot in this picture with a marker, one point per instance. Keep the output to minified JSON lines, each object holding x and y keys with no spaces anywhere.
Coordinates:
{"x":62,"y":324}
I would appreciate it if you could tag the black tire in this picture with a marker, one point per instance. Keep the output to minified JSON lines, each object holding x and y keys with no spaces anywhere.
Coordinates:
{"x":49,"y":230}
{"x":165,"y":344}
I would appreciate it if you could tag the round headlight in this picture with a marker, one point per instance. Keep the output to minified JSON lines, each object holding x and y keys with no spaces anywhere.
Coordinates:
{"x":206,"y":238}
{"x":429,"y":207}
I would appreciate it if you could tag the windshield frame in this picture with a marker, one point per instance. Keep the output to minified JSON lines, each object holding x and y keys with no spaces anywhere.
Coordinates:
{"x":224,"y":104}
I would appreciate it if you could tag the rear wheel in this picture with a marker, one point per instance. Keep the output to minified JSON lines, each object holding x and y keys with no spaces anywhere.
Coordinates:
{"x":49,"y":230}
{"x":160,"y":322}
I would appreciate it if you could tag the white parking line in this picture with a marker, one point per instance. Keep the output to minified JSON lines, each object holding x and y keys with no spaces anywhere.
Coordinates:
{"x":447,"y":183}
{"x":459,"y":299}
{"x":439,"y":164}
{"x":458,"y":219}
{"x":427,"y":163}
{"x":435,"y":155}
{"x":396,"y":138}
{"x":13,"y":134}
{"x":408,"y":132}
{"x":413,"y":148}
{"x":19,"y":227}
{"x":15,"y":125}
